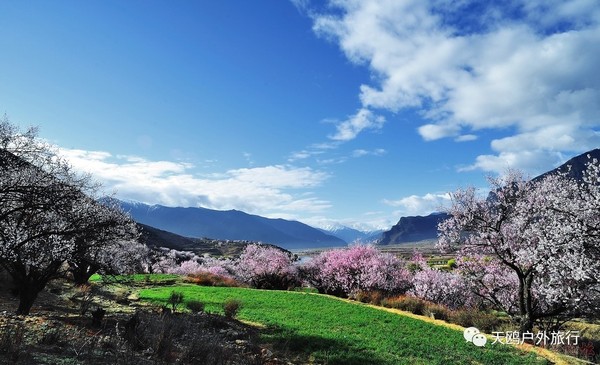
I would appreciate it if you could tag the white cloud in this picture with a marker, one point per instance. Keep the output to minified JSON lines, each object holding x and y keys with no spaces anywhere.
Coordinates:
{"x":362,"y":120}
{"x":313,"y":150}
{"x":248,"y":157}
{"x":528,"y":66}
{"x":420,"y":205}
{"x":465,"y":138}
{"x":301,"y":5}
{"x":375,"y":152}
{"x":532,"y":161}
{"x":300,"y":155}
{"x":431,"y":132}
{"x":257,"y":190}
{"x":368,"y":222}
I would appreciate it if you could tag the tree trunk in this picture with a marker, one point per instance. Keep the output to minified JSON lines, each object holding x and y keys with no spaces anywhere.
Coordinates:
{"x":81,"y":277}
{"x":82,"y":270}
{"x":27,"y":295}
{"x":31,"y":284}
{"x":525,"y":324}
{"x":525,"y":305}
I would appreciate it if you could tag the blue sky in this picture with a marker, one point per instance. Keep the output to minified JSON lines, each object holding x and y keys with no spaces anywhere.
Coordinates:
{"x":347,"y":111}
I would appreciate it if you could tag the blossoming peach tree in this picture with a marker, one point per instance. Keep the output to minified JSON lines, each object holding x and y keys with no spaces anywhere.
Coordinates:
{"x":266,"y":267}
{"x":532,"y":247}
{"x":46,"y":218}
{"x":344,"y":272}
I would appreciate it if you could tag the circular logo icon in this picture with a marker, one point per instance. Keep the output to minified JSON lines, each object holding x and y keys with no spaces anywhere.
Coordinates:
{"x":479,"y":340}
{"x":469,"y":333}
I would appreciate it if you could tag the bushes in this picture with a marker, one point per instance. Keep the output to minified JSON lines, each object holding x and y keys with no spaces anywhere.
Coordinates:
{"x":466,"y":317}
{"x":206,"y":278}
{"x":276,"y":281}
{"x":437,"y":311}
{"x":485,"y":322}
{"x":231,"y":307}
{"x":175,"y":299}
{"x":195,"y":306}
{"x":407,"y":303}
{"x":373,"y":296}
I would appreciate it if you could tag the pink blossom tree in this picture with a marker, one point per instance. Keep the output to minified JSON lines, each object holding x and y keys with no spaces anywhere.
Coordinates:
{"x":266,"y":267}
{"x":344,"y":272}
{"x":188,"y":267}
{"x":442,"y":287}
{"x":532,"y":247}
{"x":222,"y":267}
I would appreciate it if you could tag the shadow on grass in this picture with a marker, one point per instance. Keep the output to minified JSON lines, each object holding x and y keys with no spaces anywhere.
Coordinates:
{"x":318,"y":349}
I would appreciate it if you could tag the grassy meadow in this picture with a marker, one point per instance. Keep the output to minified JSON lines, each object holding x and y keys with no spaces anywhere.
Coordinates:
{"x":321,"y":329}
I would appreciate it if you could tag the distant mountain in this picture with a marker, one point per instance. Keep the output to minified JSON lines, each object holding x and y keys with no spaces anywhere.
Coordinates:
{"x":351,"y":235}
{"x":230,"y":225}
{"x":575,"y":166}
{"x":154,"y":237}
{"x":411,"y":229}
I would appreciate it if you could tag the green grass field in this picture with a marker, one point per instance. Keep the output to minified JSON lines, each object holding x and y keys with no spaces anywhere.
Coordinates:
{"x":139,"y":278}
{"x":332,"y":331}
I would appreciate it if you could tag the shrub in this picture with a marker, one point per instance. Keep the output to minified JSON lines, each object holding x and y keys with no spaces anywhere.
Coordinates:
{"x":372,"y":296}
{"x":231,"y":307}
{"x":175,"y":299}
{"x":462,"y":317}
{"x":437,"y":311}
{"x":390,"y":302}
{"x":276,"y":281}
{"x":195,"y":306}
{"x":206,"y":278}
{"x":487,"y":322}
{"x":362,"y":296}
{"x":85,"y":295}
{"x":145,"y":331}
{"x":406,"y":303}
{"x":468,"y":317}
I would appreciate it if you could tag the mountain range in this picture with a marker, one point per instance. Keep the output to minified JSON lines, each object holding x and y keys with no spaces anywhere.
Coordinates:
{"x":200,"y":228}
{"x":351,"y":235}
{"x":229,"y":225}
{"x":412,"y":229}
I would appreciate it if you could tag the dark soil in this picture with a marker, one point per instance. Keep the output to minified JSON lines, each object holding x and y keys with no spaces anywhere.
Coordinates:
{"x":57,"y":333}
